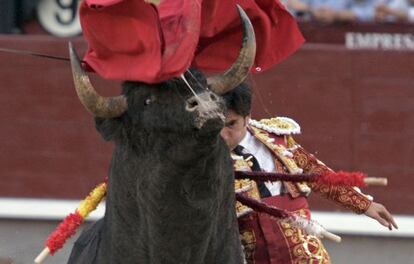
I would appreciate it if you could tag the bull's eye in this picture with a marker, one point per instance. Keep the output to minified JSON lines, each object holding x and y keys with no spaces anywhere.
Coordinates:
{"x":148,"y":101}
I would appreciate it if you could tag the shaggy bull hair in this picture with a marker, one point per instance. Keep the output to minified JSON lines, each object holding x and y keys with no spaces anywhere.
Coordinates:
{"x":171,"y":188}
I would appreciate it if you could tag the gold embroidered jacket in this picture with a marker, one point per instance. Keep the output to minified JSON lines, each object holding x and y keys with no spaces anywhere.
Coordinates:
{"x":290,"y":157}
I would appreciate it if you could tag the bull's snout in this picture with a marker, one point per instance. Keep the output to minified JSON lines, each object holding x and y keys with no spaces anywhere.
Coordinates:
{"x":207,"y":106}
{"x":206,"y":100}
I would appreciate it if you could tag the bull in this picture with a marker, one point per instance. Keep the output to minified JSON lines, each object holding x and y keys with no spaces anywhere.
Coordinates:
{"x":171,"y":188}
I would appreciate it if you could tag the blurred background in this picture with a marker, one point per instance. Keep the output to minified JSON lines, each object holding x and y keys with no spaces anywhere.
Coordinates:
{"x":350,"y":87}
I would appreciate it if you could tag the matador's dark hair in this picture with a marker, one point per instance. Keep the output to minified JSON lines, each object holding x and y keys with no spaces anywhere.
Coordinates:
{"x":239,"y":99}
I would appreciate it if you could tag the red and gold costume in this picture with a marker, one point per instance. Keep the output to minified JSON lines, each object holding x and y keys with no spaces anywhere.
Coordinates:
{"x":267,"y":240}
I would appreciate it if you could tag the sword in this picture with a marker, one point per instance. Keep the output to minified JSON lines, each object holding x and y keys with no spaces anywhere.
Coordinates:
{"x":35,"y":54}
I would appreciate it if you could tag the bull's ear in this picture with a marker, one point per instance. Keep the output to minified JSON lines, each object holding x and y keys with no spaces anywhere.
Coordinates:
{"x":110,"y":128}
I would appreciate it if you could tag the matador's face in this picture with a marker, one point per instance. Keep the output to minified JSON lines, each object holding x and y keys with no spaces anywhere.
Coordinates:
{"x":235,"y":128}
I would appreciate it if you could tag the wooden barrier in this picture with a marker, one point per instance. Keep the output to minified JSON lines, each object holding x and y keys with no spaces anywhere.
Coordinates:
{"x":355,"y":108}
{"x":315,"y":32}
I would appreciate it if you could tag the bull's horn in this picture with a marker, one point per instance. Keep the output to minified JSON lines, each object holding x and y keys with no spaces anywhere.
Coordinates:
{"x":99,"y":106}
{"x":237,"y":73}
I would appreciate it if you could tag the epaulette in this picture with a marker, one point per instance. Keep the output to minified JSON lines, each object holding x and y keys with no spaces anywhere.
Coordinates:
{"x":277,"y":125}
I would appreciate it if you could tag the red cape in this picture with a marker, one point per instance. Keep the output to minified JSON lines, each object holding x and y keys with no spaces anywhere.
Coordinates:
{"x":133,"y":40}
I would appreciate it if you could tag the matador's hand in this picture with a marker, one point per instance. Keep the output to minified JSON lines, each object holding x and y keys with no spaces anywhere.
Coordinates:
{"x":381,"y":214}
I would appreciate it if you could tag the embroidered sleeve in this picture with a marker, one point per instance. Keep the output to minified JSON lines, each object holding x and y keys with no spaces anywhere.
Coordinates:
{"x":347,"y":197}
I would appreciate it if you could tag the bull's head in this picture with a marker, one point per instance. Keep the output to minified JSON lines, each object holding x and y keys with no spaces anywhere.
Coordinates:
{"x":202,"y":103}
{"x":171,"y":173}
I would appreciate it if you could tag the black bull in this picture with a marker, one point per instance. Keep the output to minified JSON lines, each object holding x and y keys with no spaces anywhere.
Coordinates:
{"x":171,"y":186}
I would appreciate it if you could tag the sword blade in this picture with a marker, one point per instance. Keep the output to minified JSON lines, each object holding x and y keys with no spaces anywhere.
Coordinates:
{"x":31,"y":53}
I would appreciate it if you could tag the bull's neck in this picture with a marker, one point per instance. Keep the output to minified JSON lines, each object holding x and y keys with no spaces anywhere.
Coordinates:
{"x":182,"y":146}
{"x":169,"y":178}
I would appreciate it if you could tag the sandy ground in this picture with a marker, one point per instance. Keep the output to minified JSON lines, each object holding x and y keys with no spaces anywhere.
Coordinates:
{"x":22,"y":240}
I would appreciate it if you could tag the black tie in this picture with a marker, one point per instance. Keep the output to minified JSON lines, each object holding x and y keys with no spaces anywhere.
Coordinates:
{"x":241,"y":151}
